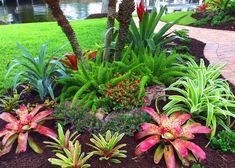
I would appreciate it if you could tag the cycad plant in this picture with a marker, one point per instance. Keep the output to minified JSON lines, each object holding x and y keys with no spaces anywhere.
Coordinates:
{"x":37,"y":72}
{"x":204,"y":95}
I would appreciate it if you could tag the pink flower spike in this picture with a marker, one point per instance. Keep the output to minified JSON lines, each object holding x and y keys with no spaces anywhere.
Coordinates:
{"x":23,"y":114}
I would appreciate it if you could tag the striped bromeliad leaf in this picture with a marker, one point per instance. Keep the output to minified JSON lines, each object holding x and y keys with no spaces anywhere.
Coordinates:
{"x":62,"y":142}
{"x":20,"y":127}
{"x":107,"y":147}
{"x":72,"y":157}
{"x":171,"y":133}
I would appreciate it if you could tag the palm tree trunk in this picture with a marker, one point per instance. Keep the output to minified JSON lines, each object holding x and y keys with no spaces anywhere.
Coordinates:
{"x":110,"y":26}
{"x":65,"y":26}
{"x":126,"y":8}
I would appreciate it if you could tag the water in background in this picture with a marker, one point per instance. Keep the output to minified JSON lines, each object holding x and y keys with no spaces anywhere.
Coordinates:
{"x":27,"y":11}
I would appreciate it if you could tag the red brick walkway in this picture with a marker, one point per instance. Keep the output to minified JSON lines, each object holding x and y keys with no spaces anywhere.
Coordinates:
{"x":219,"y":49}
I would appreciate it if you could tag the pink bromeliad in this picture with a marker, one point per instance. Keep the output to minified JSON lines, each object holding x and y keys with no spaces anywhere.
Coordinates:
{"x":20,"y":127}
{"x":171,"y":133}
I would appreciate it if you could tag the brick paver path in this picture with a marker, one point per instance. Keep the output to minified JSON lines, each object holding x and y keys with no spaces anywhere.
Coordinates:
{"x":219,"y":49}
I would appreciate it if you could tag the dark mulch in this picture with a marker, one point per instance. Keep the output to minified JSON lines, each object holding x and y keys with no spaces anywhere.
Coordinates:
{"x":225,"y":26}
{"x":96,"y":16}
{"x":29,"y":159}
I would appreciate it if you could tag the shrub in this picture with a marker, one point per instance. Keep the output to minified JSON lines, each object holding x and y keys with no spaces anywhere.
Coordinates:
{"x":204,"y":95}
{"x":124,"y":95}
{"x":37,"y":72}
{"x":225,"y":141}
{"x":21,"y":126}
{"x":107,"y":147}
{"x":171,"y":133}
{"x":203,"y":21}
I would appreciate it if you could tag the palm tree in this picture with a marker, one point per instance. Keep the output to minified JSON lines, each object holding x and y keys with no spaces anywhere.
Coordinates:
{"x":110,"y":26}
{"x":65,"y":26}
{"x":126,"y":8}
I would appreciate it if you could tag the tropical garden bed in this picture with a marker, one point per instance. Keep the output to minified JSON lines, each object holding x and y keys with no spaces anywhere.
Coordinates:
{"x":137,"y":92}
{"x":212,"y":14}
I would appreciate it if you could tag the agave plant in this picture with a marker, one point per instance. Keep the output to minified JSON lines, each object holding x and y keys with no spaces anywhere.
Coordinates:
{"x":73,"y":157}
{"x":37,"y":72}
{"x":62,"y":142}
{"x":20,"y":127}
{"x":171,"y":133}
{"x":106,"y":147}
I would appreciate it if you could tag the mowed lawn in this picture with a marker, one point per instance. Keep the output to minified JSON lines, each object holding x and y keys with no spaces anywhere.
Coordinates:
{"x":33,"y":35}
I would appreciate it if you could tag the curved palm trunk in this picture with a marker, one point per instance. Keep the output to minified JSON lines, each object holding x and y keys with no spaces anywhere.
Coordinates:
{"x":65,"y":26}
{"x":126,"y":8}
{"x":110,"y":25}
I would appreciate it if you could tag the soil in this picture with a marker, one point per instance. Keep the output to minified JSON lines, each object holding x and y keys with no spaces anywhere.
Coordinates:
{"x":29,"y":159}
{"x":224,"y":26}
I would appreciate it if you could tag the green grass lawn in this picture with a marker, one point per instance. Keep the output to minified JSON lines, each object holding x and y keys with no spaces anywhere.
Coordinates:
{"x":173,"y":16}
{"x":33,"y":35}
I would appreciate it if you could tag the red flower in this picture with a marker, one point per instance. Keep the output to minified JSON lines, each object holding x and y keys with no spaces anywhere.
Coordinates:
{"x":140,"y":10}
{"x":202,"y":7}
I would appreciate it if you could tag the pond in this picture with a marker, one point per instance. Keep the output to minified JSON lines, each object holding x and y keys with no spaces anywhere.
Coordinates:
{"x":27,"y":11}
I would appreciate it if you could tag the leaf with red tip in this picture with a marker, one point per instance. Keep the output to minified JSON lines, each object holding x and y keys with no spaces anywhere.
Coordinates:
{"x":73,"y":61}
{"x":175,"y":115}
{"x":92,"y":55}
{"x":41,"y":116}
{"x":3,"y":132}
{"x":7,"y":148}
{"x":22,"y":142}
{"x":8,"y":117}
{"x":34,"y":111}
{"x":147,"y":144}
{"x":180,"y":120}
{"x":169,"y":156}
{"x":180,"y":148}
{"x":45,"y":131}
{"x":7,"y":137}
{"x":196,"y":128}
{"x":148,"y":129}
{"x":197,"y":151}
{"x":151,"y":112}
{"x":158,"y":154}
{"x":13,"y":126}
{"x":23,"y":114}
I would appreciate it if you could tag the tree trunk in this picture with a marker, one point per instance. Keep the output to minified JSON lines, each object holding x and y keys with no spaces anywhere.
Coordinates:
{"x":110,"y":26}
{"x":65,"y":26}
{"x":104,"y":8}
{"x":126,"y":8}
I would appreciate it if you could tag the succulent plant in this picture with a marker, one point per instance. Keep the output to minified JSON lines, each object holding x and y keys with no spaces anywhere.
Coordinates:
{"x":171,"y":133}
{"x":72,"y":157}
{"x":62,"y":142}
{"x":106,"y":147}
{"x":20,"y":127}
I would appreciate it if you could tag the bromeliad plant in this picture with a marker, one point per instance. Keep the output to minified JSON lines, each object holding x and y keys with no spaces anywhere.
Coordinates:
{"x":171,"y":133}
{"x":20,"y":127}
{"x":10,"y":103}
{"x":62,"y":142}
{"x":37,"y":72}
{"x":73,"y":157}
{"x":106,"y":147}
{"x":204,"y":95}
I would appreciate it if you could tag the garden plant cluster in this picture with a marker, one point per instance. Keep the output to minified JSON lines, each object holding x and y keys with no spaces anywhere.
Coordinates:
{"x":103,"y":93}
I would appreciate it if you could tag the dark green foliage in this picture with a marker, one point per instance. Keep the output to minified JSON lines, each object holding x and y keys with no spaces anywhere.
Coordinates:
{"x":124,"y":123}
{"x":202,"y":21}
{"x":225,"y":141}
{"x":220,"y":19}
{"x":183,"y":35}
{"x":80,"y":119}
{"x":84,"y":121}
{"x":197,"y":166}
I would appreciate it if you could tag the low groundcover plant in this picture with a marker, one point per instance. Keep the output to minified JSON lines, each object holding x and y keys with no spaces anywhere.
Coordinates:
{"x":171,"y":133}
